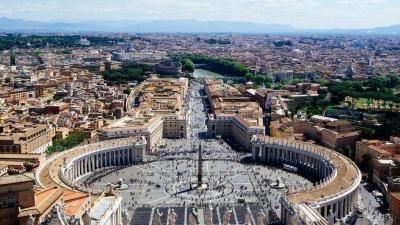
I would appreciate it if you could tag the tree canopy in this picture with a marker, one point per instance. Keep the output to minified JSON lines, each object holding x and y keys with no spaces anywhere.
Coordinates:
{"x":376,"y":88}
{"x":188,"y":65}
{"x":71,"y":141}
{"x":39,"y":41}
{"x":224,"y":66}
{"x":128,"y":72}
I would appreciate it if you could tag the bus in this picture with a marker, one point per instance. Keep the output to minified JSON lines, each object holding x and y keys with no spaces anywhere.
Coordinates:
{"x":290,"y":168}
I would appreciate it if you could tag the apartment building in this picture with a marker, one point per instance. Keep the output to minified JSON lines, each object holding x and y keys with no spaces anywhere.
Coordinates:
{"x":233,"y":114}
{"x":330,"y":132}
{"x":158,"y":115}
{"x":375,"y":149}
{"x":25,"y":138}
{"x":149,"y":126}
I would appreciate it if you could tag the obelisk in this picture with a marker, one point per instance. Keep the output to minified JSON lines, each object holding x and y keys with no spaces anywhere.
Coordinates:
{"x":200,"y":168}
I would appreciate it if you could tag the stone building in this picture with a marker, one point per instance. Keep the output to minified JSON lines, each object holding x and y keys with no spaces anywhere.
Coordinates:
{"x":332,"y":133}
{"x":16,"y":191}
{"x":25,"y":138}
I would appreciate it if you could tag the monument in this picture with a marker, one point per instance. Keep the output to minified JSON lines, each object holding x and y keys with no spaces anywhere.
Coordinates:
{"x":247,"y":216}
{"x":227,"y":217}
{"x":200,"y":186}
{"x":200,"y":168}
{"x":331,"y":217}
{"x":209,"y":215}
{"x":172,"y":217}
{"x":260,"y":217}
{"x":193,"y":217}
{"x":157,"y":218}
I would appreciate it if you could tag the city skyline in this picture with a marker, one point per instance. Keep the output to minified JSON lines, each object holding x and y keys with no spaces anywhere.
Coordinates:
{"x":303,"y":14}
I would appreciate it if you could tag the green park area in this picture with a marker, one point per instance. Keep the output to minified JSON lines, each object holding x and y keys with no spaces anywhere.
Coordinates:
{"x":128,"y":73}
{"x":10,"y":41}
{"x":69,"y":142}
{"x":383,"y":88}
{"x":371,"y":104}
{"x":226,"y":67}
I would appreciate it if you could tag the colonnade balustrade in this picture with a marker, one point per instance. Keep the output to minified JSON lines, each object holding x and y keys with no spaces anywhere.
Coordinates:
{"x":325,"y":164}
{"x":66,"y":167}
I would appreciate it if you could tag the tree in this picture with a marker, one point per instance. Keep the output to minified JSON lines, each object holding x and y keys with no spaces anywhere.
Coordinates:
{"x":323,"y":82}
{"x":128,"y":72}
{"x":296,"y":81}
{"x":188,"y":65}
{"x":225,"y":66}
{"x":127,"y":91}
{"x":71,"y":141}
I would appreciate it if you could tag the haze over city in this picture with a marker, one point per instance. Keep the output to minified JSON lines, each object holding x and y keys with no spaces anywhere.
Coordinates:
{"x":327,"y":14}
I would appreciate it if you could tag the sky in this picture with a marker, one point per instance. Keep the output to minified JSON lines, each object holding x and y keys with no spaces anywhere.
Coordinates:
{"x":325,"y":14}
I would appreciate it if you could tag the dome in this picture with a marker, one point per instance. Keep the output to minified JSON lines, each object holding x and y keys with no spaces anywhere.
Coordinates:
{"x":297,"y":51}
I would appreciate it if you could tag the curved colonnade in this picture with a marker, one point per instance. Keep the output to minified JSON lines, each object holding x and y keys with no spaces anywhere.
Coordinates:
{"x":64,"y":168}
{"x":337,"y":189}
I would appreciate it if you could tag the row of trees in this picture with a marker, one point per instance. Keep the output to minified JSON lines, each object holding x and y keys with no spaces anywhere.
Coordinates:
{"x":260,"y":79}
{"x":376,"y":88}
{"x":128,"y":72}
{"x":39,"y":41}
{"x":224,"y":66}
{"x":188,"y":65}
{"x":71,"y":141}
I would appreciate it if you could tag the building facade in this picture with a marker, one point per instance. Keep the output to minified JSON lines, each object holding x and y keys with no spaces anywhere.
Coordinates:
{"x":26,"y":138}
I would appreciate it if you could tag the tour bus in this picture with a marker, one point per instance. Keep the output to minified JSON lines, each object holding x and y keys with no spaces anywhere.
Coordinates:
{"x":290,"y":168}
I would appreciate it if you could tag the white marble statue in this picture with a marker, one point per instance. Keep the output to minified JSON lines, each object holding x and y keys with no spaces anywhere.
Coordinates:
{"x":193,"y":217}
{"x":30,"y":221}
{"x":295,"y":218}
{"x":86,"y":218}
{"x":157,"y":217}
{"x":260,"y":217}
{"x":125,"y":218}
{"x":388,"y":219}
{"x":227,"y":217}
{"x":209,"y":215}
{"x":331,"y":218}
{"x":247,"y":217}
{"x":172,"y":217}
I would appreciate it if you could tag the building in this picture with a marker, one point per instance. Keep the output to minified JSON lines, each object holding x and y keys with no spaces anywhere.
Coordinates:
{"x":394,"y":209}
{"x":233,"y":115}
{"x":148,"y":126}
{"x":282,"y":128}
{"x":169,"y":67}
{"x":159,"y":113}
{"x":374,"y":149}
{"x":381,"y":171}
{"x":330,"y":132}
{"x":16,"y":191}
{"x":25,"y":138}
{"x":73,"y":207}
{"x":19,"y":163}
{"x":339,"y":134}
{"x":235,"y":127}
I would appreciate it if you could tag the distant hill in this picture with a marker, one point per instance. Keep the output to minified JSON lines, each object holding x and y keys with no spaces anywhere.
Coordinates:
{"x":174,"y":26}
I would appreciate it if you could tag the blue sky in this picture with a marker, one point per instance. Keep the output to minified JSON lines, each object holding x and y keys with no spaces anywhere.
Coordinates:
{"x":299,"y":13}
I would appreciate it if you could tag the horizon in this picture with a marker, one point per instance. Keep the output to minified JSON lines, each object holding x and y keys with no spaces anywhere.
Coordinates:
{"x":300,"y":14}
{"x":300,"y":29}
